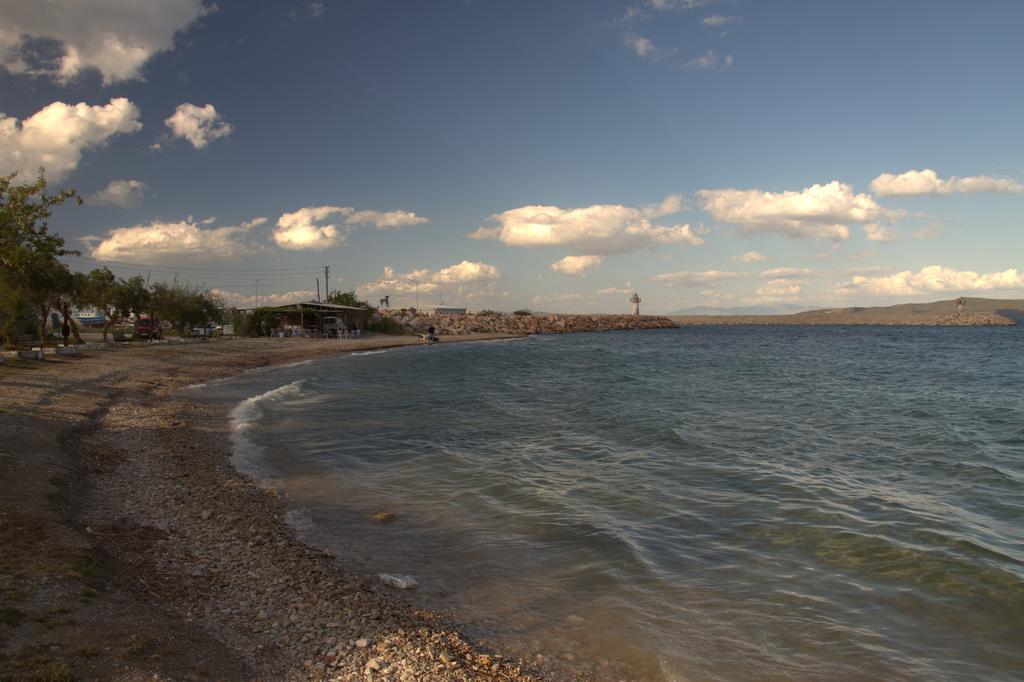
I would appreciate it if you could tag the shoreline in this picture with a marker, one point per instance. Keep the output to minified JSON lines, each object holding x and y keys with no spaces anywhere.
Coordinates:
{"x":148,"y":554}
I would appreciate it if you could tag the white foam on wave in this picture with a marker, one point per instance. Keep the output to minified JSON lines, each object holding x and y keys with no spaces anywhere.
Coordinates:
{"x":368,"y":352}
{"x":245,"y":416}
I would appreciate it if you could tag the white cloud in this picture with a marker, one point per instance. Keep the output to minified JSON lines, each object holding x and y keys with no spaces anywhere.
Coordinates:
{"x":384,"y":220}
{"x":547,"y":299}
{"x":662,"y":5}
{"x":239,"y":300}
{"x":461,"y":275}
{"x":624,"y":291}
{"x":698,"y":279}
{"x":865,"y":270}
{"x":55,"y":136}
{"x":577,"y":266}
{"x":788,"y":272}
{"x":927,"y":181}
{"x":640,"y":45}
{"x":305,"y":228}
{"x":198,"y":125}
{"x":158,"y":242}
{"x":115,"y":37}
{"x":600,"y":229}
{"x":820,"y":211}
{"x":123,"y":193}
{"x":709,"y":60}
{"x":719,"y":20}
{"x":878,"y":233}
{"x":933,"y":278}
{"x":779,"y":288}
{"x":466,"y":272}
{"x":749,"y":257}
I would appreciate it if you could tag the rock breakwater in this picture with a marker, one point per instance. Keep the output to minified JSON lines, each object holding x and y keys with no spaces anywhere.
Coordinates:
{"x":454,"y":325}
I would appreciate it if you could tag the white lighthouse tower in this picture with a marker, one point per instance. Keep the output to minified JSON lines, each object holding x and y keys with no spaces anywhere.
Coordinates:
{"x":635,"y":300}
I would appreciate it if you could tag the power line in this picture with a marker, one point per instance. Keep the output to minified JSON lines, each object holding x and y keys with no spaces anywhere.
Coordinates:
{"x":183,"y":268}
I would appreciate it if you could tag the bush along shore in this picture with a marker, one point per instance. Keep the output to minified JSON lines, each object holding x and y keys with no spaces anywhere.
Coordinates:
{"x":521,"y":324}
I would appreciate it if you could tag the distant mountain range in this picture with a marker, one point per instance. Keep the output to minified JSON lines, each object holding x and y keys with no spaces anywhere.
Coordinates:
{"x":905,"y":313}
{"x":780,"y":309}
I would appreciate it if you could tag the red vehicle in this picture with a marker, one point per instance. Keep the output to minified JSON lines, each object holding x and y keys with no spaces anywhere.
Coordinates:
{"x":147,"y":327}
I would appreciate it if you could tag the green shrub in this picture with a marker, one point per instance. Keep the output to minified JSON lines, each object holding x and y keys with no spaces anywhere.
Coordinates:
{"x":488,"y":311}
{"x":523,"y":312}
{"x":387,"y":325}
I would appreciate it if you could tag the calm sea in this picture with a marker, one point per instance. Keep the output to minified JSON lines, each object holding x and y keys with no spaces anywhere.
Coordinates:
{"x":705,"y":503}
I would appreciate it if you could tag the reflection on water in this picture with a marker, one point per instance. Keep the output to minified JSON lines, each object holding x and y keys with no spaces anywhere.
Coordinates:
{"x":717,"y":503}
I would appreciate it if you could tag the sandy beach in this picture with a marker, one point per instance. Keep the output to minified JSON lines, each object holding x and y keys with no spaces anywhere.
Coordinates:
{"x":133,"y":550}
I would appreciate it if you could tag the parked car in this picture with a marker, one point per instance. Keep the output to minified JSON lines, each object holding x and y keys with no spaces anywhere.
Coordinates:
{"x":147,"y":327}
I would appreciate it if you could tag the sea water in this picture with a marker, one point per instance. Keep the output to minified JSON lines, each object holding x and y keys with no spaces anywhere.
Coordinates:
{"x":702,"y":503}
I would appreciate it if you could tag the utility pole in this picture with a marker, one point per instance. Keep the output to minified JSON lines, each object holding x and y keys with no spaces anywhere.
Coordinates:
{"x":317,"y":289}
{"x":327,"y":282}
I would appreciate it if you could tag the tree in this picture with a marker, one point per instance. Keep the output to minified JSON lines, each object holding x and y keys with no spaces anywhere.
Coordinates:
{"x":29,"y":253}
{"x":101,"y":292}
{"x":346,"y":298}
{"x":131,"y":297}
{"x":185,"y":306}
{"x":73,"y":292}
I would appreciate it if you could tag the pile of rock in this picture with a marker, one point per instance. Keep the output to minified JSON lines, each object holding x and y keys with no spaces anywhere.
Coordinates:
{"x":453,"y":325}
{"x":981,"y":319}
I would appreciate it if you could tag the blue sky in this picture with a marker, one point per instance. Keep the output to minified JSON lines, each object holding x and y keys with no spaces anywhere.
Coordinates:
{"x":552,"y":155}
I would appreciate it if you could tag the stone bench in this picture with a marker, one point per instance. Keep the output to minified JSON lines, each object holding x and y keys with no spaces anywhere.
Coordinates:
{"x":31,"y":354}
{"x":66,"y":350}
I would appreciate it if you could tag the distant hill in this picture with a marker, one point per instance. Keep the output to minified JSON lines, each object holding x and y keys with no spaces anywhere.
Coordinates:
{"x":980,"y":311}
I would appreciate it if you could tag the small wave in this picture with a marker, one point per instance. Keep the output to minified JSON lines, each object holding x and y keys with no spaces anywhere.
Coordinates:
{"x":368,"y":352}
{"x":192,"y":387}
{"x":246,"y":415}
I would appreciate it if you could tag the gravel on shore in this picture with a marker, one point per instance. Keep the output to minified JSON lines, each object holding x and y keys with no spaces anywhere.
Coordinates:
{"x":133,"y":549}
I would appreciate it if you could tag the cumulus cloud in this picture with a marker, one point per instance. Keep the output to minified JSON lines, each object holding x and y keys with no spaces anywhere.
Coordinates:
{"x":819,"y":211}
{"x":779,"y":288}
{"x":308,"y":228}
{"x":788,"y":272}
{"x":199,"y":125}
{"x":114,"y":37}
{"x":750,"y":257}
{"x":239,"y":300}
{"x":927,"y":181}
{"x":717,"y":20}
{"x":157,"y":242}
{"x":577,"y":266}
{"x":305,"y":229}
{"x":933,"y":278}
{"x":698,"y":279}
{"x":123,"y":193}
{"x":55,"y":136}
{"x":424,"y":280}
{"x":384,"y":220}
{"x":601,"y":229}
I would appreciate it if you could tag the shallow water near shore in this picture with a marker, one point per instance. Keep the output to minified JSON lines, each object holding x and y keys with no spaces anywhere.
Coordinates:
{"x":702,"y":503}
